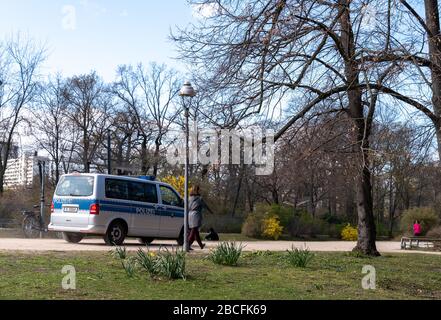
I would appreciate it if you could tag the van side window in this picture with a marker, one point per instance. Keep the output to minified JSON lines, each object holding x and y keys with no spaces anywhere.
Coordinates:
{"x":151,"y":195}
{"x":129,"y":190}
{"x":142,"y":192}
{"x":169,"y":197}
{"x":136,"y":191}
{"x":116,"y":189}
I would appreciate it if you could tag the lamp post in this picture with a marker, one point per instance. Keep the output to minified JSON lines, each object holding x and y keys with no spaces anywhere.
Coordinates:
{"x":109,"y":152}
{"x":42,"y":173}
{"x":187,"y":92}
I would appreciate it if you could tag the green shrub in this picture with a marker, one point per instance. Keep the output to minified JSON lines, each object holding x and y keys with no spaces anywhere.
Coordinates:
{"x":435,"y":233}
{"x":297,"y":223}
{"x":252,"y":226}
{"x":382,"y":230}
{"x":226,"y":254}
{"x":223,"y":223}
{"x":256,"y":224}
{"x":147,"y":261}
{"x":299,"y":258}
{"x":170,"y":264}
{"x":119,"y":253}
{"x":166,"y":263}
{"x":303,"y":224}
{"x":335,"y":230}
{"x":332,"y":219}
{"x":284,"y":213}
{"x":129,"y":266}
{"x":426,"y":216}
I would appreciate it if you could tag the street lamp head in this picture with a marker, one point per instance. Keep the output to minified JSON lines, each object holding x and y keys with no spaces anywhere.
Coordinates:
{"x":187,"y":90}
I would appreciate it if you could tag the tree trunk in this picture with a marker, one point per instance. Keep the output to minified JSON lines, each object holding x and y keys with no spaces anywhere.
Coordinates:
{"x":367,"y":233}
{"x":391,"y":220}
{"x":86,"y":145}
{"x":57,"y":173}
{"x":392,"y":206}
{"x":433,"y":24}
{"x":57,"y":156}
{"x":2,"y":173}
{"x":366,"y":222}
{"x":144,"y":164}
{"x":156,"y":157}
{"x":2,"y":177}
{"x":236,"y":198}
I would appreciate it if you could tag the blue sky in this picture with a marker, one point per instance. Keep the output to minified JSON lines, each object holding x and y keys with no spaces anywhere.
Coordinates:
{"x":85,"y":35}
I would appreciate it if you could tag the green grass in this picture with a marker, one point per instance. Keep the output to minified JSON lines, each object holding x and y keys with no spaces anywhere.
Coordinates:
{"x":261,"y":275}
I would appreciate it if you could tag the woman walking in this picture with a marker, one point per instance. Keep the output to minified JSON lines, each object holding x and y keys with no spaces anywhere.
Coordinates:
{"x":196,"y":205}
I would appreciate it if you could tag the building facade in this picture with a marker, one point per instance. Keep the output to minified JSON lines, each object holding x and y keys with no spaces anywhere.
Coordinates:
{"x":22,"y":171}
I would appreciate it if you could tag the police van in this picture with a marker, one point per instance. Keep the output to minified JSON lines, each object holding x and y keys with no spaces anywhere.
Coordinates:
{"x":116,"y":207}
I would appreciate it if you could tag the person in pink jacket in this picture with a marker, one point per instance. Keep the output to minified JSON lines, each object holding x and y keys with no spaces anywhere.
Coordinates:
{"x":417,"y":229}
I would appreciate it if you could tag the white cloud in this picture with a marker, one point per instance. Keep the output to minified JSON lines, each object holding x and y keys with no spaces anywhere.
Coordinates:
{"x":205,"y":10}
{"x":124,"y":13}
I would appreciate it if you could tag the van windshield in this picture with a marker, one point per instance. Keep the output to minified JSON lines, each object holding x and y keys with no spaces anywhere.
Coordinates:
{"x":71,"y":186}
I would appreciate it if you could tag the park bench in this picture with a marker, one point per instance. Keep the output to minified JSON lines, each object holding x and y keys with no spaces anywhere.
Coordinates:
{"x":408,"y":243}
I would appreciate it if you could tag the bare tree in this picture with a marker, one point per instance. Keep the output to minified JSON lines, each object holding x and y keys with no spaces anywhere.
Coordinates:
{"x":255,"y":55}
{"x":89,"y":107}
{"x":124,"y":139}
{"x":51,"y":128}
{"x":414,"y":42}
{"x":159,"y":86}
{"x":19,"y":63}
{"x":126,"y":89}
{"x":151,"y":94}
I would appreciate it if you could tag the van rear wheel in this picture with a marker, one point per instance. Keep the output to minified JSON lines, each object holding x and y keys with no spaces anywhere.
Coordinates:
{"x":73,"y":237}
{"x":116,"y":234}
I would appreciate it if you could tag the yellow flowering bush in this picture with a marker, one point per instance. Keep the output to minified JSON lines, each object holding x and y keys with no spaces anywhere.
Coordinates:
{"x":178,"y":183}
{"x":272,"y":228}
{"x":349,"y":233}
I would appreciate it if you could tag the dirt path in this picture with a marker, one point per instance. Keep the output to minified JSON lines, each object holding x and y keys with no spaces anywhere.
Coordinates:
{"x":37,"y":245}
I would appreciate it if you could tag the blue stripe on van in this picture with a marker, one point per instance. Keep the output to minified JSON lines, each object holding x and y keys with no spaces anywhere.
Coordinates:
{"x":116,"y":206}
{"x":83,"y":204}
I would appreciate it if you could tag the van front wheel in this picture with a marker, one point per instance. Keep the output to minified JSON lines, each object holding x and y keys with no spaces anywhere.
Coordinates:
{"x":73,"y":237}
{"x":116,"y":234}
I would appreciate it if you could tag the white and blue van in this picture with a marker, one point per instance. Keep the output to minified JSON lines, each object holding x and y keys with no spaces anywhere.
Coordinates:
{"x":116,"y":207}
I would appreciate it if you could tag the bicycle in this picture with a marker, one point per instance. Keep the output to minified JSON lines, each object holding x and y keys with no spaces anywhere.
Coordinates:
{"x":32,"y":224}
